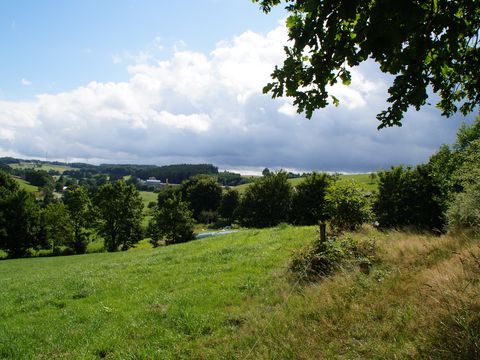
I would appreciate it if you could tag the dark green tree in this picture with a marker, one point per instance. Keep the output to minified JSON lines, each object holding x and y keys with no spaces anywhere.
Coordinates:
{"x":203,"y":193}
{"x":172,"y":222}
{"x":267,"y":202}
{"x":229,"y":204}
{"x":422,"y":43}
{"x":167,"y":192}
{"x":57,"y":226}
{"x":79,"y":206}
{"x":308,"y":202}
{"x":409,"y":197}
{"x":20,"y":226}
{"x":120,"y":210}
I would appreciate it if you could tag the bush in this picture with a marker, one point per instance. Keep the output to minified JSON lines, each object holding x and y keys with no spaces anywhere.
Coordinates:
{"x":317,"y":260}
{"x":348,"y":206}
{"x":321,"y":259}
{"x":267,"y":202}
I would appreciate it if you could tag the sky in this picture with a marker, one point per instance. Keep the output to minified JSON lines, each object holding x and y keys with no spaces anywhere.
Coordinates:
{"x":163,"y":82}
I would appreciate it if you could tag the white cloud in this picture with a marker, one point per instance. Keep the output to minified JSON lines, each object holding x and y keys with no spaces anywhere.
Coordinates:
{"x":195,"y":107}
{"x":25,"y":82}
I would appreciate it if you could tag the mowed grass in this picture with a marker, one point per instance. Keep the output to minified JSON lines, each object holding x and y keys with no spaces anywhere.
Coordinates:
{"x":232,"y":297}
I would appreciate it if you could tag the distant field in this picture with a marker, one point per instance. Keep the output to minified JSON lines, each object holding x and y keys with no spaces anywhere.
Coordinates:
{"x":147,"y":197}
{"x":363,"y":180}
{"x":26,"y":185}
{"x":46,"y":167}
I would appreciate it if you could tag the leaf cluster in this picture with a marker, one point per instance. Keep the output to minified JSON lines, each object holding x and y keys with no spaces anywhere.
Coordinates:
{"x":421,"y":43}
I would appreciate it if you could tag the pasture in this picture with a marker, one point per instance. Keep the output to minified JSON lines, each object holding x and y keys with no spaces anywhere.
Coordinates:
{"x":233,"y":297}
{"x":24,"y":185}
{"x":46,"y":167}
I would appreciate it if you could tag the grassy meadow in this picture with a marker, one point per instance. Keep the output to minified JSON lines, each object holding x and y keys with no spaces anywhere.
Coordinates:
{"x":232,"y":297}
{"x":25,"y":185}
{"x":46,"y":167}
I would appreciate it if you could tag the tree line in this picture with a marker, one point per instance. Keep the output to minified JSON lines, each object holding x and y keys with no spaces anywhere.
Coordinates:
{"x":439,"y":195}
{"x":66,"y":226}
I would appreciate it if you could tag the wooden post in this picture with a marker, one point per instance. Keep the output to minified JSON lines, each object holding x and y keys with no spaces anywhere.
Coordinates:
{"x":323,"y":232}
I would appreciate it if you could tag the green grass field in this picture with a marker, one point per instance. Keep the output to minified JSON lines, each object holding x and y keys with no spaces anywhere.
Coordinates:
{"x":231,"y":297}
{"x":147,"y":197}
{"x":46,"y":167}
{"x":171,"y":302}
{"x":26,"y":185}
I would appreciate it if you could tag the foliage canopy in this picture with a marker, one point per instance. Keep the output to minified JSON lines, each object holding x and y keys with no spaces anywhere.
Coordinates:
{"x":120,"y":208}
{"x":422,"y":43}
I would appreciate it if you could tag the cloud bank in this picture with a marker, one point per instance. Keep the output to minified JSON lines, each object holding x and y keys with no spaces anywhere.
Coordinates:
{"x":198,"y":107}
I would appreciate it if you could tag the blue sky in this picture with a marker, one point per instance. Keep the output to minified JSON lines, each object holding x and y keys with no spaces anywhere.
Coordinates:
{"x":162,"y":82}
{"x":58,"y":45}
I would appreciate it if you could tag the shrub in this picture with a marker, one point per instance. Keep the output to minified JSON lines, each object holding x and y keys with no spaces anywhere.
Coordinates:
{"x":348,"y":205}
{"x":321,"y":259}
{"x":317,"y":260}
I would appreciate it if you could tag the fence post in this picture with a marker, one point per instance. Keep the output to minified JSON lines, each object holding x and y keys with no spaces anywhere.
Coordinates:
{"x":323,"y":232}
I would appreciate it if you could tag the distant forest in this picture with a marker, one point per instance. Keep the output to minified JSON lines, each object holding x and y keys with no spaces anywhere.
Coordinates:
{"x":174,"y":174}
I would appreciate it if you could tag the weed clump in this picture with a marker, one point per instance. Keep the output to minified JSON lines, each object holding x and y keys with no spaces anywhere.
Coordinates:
{"x":323,"y":258}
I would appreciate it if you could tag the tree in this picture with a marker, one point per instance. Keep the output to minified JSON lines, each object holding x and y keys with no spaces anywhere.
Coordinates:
{"x":308,"y":205}
{"x":57,"y":226}
{"x":172,"y":221}
{"x":120,"y":210}
{"x":266,"y":172}
{"x":79,"y":207}
{"x":20,"y":227}
{"x":409,"y":197}
{"x":203,"y":193}
{"x":422,"y":43}
{"x":267,"y":202}
{"x":229,"y":204}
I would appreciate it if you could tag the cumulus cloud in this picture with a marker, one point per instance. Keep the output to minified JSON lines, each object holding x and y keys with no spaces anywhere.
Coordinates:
{"x":196,"y":107}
